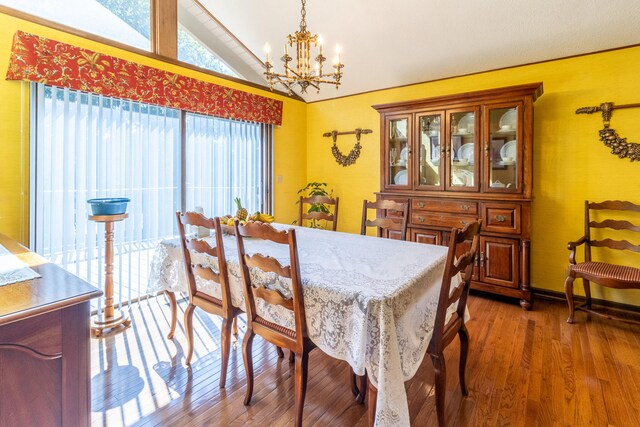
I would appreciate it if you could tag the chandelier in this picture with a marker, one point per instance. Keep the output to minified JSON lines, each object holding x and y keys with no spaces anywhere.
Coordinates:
{"x":305,"y":73}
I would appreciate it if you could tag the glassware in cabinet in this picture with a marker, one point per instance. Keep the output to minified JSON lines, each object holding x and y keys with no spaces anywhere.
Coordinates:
{"x":503,"y":149}
{"x":463,"y":150}
{"x":398,"y":152}
{"x":431,"y":161}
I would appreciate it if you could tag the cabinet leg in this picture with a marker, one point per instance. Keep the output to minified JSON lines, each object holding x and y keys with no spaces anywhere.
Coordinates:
{"x":525,"y":304}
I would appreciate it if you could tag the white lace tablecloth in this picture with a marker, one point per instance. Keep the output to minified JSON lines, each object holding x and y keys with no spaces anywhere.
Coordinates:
{"x":368,"y":301}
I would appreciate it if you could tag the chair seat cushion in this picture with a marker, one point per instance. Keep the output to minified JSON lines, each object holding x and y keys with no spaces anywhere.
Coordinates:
{"x":602,"y":270}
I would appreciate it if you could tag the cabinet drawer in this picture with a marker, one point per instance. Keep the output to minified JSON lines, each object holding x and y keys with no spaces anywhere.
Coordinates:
{"x":447,"y":206}
{"x":501,"y":218}
{"x":440,"y":220}
{"x":41,"y":333}
{"x":432,"y":237}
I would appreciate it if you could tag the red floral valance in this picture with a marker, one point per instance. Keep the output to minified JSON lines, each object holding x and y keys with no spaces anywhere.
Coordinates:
{"x":43,"y":60}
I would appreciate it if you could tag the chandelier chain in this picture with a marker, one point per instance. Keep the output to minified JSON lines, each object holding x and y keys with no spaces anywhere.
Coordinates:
{"x":303,"y":12}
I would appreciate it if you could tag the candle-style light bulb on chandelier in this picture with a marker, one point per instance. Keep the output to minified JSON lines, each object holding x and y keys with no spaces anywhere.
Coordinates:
{"x":305,"y":73}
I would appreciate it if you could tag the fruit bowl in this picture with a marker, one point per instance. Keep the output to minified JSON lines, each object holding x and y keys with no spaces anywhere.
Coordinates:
{"x":228,"y":229}
{"x":108,"y":205}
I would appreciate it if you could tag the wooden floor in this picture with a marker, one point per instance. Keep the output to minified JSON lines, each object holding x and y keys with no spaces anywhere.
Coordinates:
{"x":525,"y":368}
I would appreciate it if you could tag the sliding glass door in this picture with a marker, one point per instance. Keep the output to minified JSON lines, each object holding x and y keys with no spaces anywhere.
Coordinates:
{"x":164,"y":160}
{"x":224,"y":160}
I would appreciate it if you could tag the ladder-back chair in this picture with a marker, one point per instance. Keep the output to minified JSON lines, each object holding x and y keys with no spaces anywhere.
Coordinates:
{"x":453,"y":293}
{"x":296,"y":339}
{"x":602,"y":273}
{"x":320,"y":210}
{"x":460,"y":259}
{"x":394,"y":222}
{"x":220,"y":306}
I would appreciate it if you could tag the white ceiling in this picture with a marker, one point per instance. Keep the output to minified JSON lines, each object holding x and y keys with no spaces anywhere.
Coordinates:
{"x":392,"y":43}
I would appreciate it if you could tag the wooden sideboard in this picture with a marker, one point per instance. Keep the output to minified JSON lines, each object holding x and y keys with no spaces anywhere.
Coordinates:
{"x":457,"y":158}
{"x":44,"y":346}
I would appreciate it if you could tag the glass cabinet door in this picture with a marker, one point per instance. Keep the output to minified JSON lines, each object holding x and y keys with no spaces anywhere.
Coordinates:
{"x":398,"y":148}
{"x":504,"y":148}
{"x":429,"y":162}
{"x":463,"y":150}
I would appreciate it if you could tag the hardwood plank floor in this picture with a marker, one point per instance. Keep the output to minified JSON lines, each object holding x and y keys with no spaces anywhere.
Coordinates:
{"x":524,"y":368}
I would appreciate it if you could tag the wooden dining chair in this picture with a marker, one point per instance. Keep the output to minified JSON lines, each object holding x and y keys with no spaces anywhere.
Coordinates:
{"x":607,"y":274}
{"x":320,"y":209}
{"x":393,"y":226}
{"x":460,"y":259}
{"x":296,"y":339}
{"x":394,"y":222}
{"x":220,"y":306}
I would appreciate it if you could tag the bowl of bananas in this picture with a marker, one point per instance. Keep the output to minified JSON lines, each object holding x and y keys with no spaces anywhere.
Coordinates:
{"x":242,"y":216}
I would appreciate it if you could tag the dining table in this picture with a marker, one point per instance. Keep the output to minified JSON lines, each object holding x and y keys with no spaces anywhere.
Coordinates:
{"x":369,"y":301}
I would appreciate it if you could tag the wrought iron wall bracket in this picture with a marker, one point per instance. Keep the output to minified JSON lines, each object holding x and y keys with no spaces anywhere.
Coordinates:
{"x":618,"y":145}
{"x":349,"y":159}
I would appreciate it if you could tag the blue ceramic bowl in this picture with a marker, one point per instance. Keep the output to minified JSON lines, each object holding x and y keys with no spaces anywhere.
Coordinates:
{"x":108,"y":206}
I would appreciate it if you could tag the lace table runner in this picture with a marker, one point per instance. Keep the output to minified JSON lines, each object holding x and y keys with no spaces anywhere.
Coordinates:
{"x":12,"y":270}
{"x":369,"y":301}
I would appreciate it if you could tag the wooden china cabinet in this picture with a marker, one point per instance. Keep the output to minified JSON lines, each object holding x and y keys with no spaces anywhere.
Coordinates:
{"x":456,"y":158}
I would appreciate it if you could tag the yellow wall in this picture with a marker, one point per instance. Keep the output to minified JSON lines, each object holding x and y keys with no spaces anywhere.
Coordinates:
{"x":570,"y":164}
{"x":289,"y":149}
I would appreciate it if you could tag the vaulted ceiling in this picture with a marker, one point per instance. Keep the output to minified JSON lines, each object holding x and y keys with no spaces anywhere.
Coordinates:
{"x":393,"y":43}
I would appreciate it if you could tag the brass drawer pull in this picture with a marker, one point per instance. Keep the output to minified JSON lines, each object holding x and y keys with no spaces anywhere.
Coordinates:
{"x":465,"y":207}
{"x":420,"y":219}
{"x":464,"y":222}
{"x":421,"y":204}
{"x":500,"y":218}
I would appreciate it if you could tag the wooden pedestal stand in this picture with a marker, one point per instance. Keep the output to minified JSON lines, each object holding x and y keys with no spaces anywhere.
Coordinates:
{"x":110,"y":319}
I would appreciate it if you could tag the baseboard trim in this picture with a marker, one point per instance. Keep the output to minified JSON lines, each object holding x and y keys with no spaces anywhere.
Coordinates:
{"x":560,"y":296}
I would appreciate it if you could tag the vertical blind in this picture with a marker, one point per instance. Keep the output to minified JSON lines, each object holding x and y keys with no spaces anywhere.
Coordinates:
{"x":224,"y":160}
{"x":88,"y":146}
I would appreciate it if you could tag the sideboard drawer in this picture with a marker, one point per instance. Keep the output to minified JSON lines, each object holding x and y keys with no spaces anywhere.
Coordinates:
{"x":431,"y":237}
{"x":501,"y":217}
{"x":42,"y":334}
{"x":440,"y":220}
{"x":447,"y":206}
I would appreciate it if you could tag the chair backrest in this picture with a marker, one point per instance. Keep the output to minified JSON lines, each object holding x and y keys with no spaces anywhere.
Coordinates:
{"x":320,"y":210}
{"x":253,"y":288}
{"x":389,"y":223}
{"x":194,"y":244}
{"x":614,"y":224}
{"x":456,"y":262}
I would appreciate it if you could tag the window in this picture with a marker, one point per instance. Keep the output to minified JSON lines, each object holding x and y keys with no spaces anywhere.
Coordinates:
{"x":126,"y":21}
{"x":90,"y":146}
{"x":193,"y":51}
